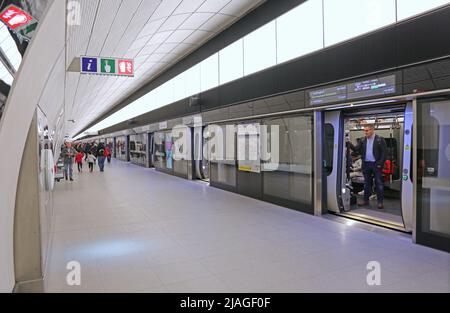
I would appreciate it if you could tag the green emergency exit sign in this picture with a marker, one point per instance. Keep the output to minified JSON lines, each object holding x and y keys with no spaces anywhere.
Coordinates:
{"x":108,"y":66}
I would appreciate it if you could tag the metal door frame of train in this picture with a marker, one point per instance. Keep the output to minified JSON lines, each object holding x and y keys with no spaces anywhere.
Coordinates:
{"x":198,"y":156}
{"x":334,"y":201}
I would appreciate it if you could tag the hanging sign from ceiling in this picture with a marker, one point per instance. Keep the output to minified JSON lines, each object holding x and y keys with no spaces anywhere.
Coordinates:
{"x":29,"y":30}
{"x":106,"y":66}
{"x":15,"y":18}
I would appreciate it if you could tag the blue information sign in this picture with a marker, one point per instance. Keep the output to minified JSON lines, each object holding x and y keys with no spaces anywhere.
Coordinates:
{"x":89,"y":65}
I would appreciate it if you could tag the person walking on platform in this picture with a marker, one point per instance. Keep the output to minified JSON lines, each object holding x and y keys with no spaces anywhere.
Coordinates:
{"x":87,"y":149}
{"x":101,"y":157}
{"x":373,"y":149}
{"x":94,"y":150}
{"x":79,"y":161}
{"x":68,"y":154}
{"x":91,"y":160}
{"x":108,"y":154}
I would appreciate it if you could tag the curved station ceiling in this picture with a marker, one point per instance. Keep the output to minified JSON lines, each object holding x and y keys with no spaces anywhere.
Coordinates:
{"x":156,"y":34}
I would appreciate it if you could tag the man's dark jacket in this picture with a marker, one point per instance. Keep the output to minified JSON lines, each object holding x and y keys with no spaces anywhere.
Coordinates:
{"x":379,"y":150}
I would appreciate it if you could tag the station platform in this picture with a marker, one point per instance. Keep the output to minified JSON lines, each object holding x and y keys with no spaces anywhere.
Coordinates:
{"x":137,"y":230}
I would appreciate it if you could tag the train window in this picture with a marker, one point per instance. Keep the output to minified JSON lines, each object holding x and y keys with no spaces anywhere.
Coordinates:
{"x":222,"y":154}
{"x":411,"y":165}
{"x":160,"y":144}
{"x":328,"y":155}
{"x":138,"y":149}
{"x":121,"y":148}
{"x":433,"y":171}
{"x":292,"y":180}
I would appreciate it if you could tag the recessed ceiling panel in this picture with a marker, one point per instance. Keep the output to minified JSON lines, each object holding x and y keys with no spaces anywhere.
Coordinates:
{"x":188,"y":6}
{"x":174,"y":22}
{"x":196,"y":20}
{"x":214,"y":5}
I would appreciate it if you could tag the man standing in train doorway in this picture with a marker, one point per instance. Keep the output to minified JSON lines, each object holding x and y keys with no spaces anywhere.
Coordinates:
{"x":373,"y":149}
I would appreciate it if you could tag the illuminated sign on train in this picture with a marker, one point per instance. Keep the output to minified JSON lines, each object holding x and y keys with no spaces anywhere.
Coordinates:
{"x":327,"y":95}
{"x":357,"y":90}
{"x":373,"y":87}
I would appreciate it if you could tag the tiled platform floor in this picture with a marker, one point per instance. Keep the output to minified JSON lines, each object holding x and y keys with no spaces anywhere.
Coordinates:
{"x":137,"y":230}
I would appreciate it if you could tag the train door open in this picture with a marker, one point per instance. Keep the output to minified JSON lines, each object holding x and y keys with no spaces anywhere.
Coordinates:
{"x":151,"y":150}
{"x":345,"y":183}
{"x":201,"y":162}
{"x":127,"y":145}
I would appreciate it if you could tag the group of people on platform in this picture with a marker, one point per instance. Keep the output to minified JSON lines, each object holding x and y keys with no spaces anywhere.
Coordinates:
{"x":90,"y":153}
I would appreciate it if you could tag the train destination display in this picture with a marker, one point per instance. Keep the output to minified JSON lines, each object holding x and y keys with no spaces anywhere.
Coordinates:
{"x":332,"y":94}
{"x":374,"y":87}
{"x":357,"y":90}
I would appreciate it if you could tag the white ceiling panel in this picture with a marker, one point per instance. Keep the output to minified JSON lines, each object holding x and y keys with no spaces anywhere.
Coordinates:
{"x":218,"y":21}
{"x":71,"y":80}
{"x":82,"y":87}
{"x":106,"y":13}
{"x":78,"y":37}
{"x":144,"y":67}
{"x":54,"y":90}
{"x":179,"y":35}
{"x":166,"y":47}
{"x":196,"y":19}
{"x":151,"y":28}
{"x":134,"y":29}
{"x":242,"y":7}
{"x":156,"y":57}
{"x":149,"y":49}
{"x":125,"y":15}
{"x":213,"y":5}
{"x":170,"y":58}
{"x":174,"y":22}
{"x":198,"y":37}
{"x":139,"y":61}
{"x":188,"y":6}
{"x":131,"y":54}
{"x":181,"y":48}
{"x":159,"y":38}
{"x":139,"y":44}
{"x":165,"y":9}
{"x":147,"y":9}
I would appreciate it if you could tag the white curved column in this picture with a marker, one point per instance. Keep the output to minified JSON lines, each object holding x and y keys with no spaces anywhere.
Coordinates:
{"x":47,"y":44}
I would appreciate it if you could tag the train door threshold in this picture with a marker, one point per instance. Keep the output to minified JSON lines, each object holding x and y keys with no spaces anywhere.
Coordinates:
{"x":371,"y":220}
{"x":370,"y":227}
